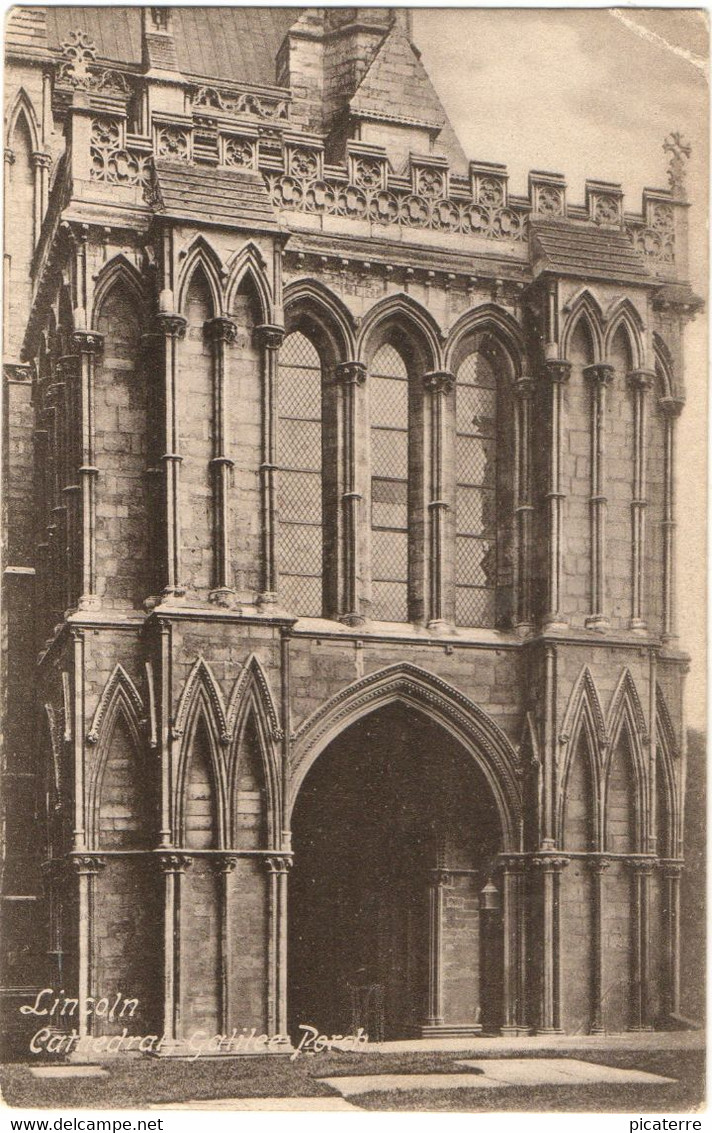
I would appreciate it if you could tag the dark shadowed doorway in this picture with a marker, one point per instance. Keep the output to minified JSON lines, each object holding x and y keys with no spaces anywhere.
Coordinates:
{"x":395,"y":832}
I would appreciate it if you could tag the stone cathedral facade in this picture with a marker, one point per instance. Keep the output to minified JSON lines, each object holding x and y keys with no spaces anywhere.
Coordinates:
{"x":342,"y":685}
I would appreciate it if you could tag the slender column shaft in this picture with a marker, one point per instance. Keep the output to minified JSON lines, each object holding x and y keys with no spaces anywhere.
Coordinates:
{"x":642,"y":869}
{"x":272,"y":948}
{"x":597,"y":866}
{"x":523,"y":502}
{"x":86,"y":867}
{"x":221,"y":332}
{"x":600,"y":377}
{"x":640,"y":382}
{"x":671,"y":408}
{"x":88,"y":344}
{"x":224,"y":867}
{"x":173,"y":328}
{"x":439,"y":879}
{"x":351,"y":376}
{"x":672,"y":871}
{"x":279,"y":867}
{"x":557,"y":373}
{"x":514,"y":946}
{"x":439,"y":384}
{"x":550,"y":867}
{"x":270,"y":339}
{"x":172,"y":865}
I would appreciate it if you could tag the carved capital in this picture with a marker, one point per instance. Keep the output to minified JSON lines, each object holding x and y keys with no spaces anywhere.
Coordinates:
{"x":221,"y":329}
{"x":87,"y":863}
{"x":270,"y":337}
{"x":598,"y":864}
{"x":439,"y":381}
{"x":671,"y":406}
{"x":641,"y":379}
{"x":171,"y":326}
{"x":549,"y":863}
{"x":513,"y":863}
{"x":671,"y":867}
{"x":524,"y":387}
{"x":18,"y":371}
{"x":174,"y":863}
{"x":87,"y":341}
{"x":601,"y":374}
{"x":224,"y":863}
{"x":557,"y":370}
{"x":279,"y":863}
{"x":350,"y":373}
{"x":42,"y":160}
{"x":641,"y":866}
{"x":441,"y":877}
{"x":9,"y":157}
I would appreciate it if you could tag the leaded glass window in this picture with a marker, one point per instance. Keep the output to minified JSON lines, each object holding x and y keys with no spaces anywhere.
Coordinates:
{"x":389,"y":485}
{"x":476,"y":492}
{"x":299,"y":495}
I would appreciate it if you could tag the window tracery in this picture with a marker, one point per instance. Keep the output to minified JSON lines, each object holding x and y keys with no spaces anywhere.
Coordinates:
{"x":389,"y":485}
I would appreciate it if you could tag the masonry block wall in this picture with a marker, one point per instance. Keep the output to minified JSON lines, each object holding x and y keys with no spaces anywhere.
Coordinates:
{"x":208,"y":595}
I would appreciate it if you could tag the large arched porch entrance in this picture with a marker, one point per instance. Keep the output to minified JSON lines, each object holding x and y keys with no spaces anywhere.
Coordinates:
{"x":395,"y":834}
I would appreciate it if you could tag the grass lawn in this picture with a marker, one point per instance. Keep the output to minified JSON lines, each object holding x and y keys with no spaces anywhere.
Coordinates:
{"x":137,"y":1082}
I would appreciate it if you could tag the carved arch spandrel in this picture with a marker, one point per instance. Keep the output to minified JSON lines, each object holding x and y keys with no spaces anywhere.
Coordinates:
{"x":118,"y":271}
{"x":22,"y":105}
{"x":584,"y":306}
{"x":622,"y":313}
{"x":312,"y":300}
{"x":404,"y":313}
{"x":496,"y":321}
{"x":249,"y":263}
{"x":626,"y":721}
{"x":583,"y":719}
{"x":668,"y":752}
{"x":200,"y":254}
{"x":475,"y":730}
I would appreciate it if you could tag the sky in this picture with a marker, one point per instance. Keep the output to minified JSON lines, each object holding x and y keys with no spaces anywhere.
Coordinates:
{"x":592,"y":93}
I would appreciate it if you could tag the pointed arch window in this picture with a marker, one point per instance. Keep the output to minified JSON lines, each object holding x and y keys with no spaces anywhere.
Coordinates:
{"x":299,"y":414}
{"x":476,"y":486}
{"x":389,"y":485}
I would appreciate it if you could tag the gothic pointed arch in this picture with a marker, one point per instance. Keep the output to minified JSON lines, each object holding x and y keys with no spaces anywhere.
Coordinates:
{"x":494,"y":320}
{"x":118,"y":272}
{"x":200,"y":726}
{"x":584,"y":307}
{"x":623,"y":314}
{"x":201,"y":255}
{"x":249,"y":263}
{"x":119,"y":794}
{"x":310,"y":302}
{"x":584,"y":739}
{"x":252,"y":708}
{"x":403,"y":312}
{"x":22,"y":106}
{"x":478,"y":733}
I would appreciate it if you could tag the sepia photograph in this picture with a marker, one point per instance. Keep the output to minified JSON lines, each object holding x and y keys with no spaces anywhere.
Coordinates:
{"x":354,"y":560}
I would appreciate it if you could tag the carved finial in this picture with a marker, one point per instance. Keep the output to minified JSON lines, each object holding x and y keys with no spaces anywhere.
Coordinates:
{"x":79,"y":51}
{"x":679,"y":151}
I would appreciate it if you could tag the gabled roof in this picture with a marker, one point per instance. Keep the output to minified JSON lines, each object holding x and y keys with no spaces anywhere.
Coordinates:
{"x":229,"y":198}
{"x":231,"y":43}
{"x":396,"y":86}
{"x":586,"y":251}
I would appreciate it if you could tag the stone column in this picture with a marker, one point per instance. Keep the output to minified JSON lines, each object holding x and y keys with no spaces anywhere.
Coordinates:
{"x":642,"y":869}
{"x":88,"y":344}
{"x":172,"y":865}
{"x":439,"y":880}
{"x":223,"y":866}
{"x":514,"y":946}
{"x":557,"y":373}
{"x":438,"y":384}
{"x":41,"y":164}
{"x":600,"y":376}
{"x":279,"y":866}
{"x":172,"y":327}
{"x":671,"y":407}
{"x":523,"y":507}
{"x":221,"y":332}
{"x":549,"y":867}
{"x":350,"y":376}
{"x":86,"y":867}
{"x":270,"y":339}
{"x":597,"y":865}
{"x":639,"y":382}
{"x":672,"y":872}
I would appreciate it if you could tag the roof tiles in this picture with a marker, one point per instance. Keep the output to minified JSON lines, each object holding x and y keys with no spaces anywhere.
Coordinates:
{"x":576,"y":249}
{"x":229,"y":198}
